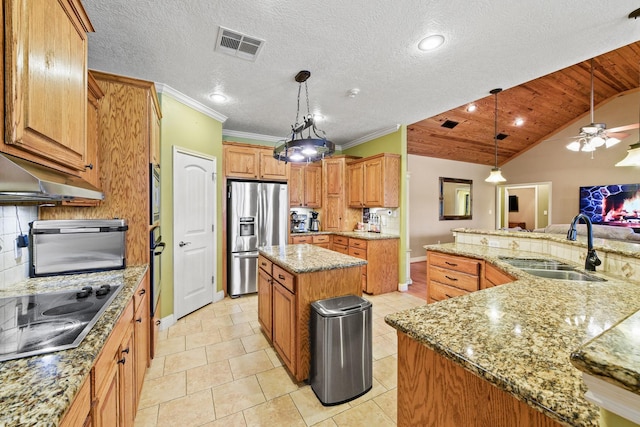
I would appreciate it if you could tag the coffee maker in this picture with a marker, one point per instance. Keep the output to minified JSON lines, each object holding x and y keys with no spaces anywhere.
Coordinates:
{"x":298,"y":222}
{"x":314,"y":222}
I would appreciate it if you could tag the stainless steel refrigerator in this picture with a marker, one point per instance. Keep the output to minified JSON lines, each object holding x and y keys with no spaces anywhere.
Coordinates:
{"x":257,"y":215}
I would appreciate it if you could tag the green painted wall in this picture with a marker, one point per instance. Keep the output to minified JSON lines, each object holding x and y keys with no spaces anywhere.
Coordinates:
{"x":396,"y":143}
{"x":185,"y":127}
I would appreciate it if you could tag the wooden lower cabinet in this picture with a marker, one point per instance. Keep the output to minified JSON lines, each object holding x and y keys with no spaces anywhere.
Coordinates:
{"x":79,"y":413}
{"x":291,"y":298}
{"x":493,"y":276}
{"x":449,"y":276}
{"x":381,"y":274}
{"x":119,"y":371}
{"x":265,"y":298}
{"x":433,"y":391}
{"x":284,"y":325}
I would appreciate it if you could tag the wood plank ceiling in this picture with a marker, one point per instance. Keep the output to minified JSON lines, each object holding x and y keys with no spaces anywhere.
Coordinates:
{"x":548,"y":104}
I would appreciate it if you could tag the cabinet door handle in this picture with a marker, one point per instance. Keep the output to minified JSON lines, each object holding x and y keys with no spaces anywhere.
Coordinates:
{"x":142,"y":292}
{"x":453,"y":279}
{"x":139,"y":320}
{"x":452,"y":264}
{"x":126,"y":350}
{"x":280,"y":276}
{"x":89,"y":166}
{"x":122,"y":361}
{"x":158,"y":322}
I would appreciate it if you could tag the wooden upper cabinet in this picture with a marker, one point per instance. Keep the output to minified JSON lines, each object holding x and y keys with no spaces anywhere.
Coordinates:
{"x":356,"y":187}
{"x":305,"y":186}
{"x":46,"y":82}
{"x":154,"y":130}
{"x":375,"y":181}
{"x":271,"y":168}
{"x":253,"y":162}
{"x":241,"y":162}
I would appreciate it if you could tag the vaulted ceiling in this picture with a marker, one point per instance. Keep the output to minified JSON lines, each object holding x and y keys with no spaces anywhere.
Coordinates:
{"x":546,"y":104}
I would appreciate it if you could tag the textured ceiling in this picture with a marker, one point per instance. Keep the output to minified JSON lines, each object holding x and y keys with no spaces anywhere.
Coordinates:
{"x":366,"y":44}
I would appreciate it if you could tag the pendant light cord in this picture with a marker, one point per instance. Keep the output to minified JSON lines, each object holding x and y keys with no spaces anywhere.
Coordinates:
{"x":495,"y":124}
{"x":592,"y":90}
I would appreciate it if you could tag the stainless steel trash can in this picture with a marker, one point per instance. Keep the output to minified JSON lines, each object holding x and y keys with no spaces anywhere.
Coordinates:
{"x":341,"y":355}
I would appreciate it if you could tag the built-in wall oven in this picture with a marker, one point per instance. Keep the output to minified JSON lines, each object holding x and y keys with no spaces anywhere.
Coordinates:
{"x":155,"y":244}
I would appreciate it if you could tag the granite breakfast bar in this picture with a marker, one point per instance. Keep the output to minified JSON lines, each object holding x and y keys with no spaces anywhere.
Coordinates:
{"x":501,"y":356}
{"x":290,"y":278}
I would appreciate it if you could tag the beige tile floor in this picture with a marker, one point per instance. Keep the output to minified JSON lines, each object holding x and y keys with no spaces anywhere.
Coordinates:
{"x":214,"y":367}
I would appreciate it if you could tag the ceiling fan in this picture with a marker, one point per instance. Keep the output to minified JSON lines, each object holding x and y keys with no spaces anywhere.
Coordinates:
{"x":596,"y":135}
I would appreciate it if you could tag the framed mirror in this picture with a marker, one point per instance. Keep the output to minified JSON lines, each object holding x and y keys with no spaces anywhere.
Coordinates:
{"x":455,"y":198}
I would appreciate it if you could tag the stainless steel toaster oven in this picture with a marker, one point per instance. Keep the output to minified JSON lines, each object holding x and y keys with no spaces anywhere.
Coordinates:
{"x":76,"y":246}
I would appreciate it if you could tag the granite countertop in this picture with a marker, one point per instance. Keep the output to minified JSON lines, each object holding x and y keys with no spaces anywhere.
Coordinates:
{"x":305,"y":258}
{"x":519,"y":336}
{"x":37,"y":390}
{"x":364,"y":235}
{"x":614,"y":356}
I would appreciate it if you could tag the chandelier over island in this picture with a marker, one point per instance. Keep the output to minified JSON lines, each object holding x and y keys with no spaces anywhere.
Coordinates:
{"x":298,"y":148}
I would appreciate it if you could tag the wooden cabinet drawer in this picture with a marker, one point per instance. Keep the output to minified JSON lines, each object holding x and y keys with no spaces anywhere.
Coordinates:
{"x":439,"y":291}
{"x":341,"y":248}
{"x":341,"y":240}
{"x":452,"y":262}
{"x":140,"y":294}
{"x":358,"y":253}
{"x":301,"y":239}
{"x":285,"y":278}
{"x":357,"y":243}
{"x":322,"y":238}
{"x":453,"y":278}
{"x":265,"y":264}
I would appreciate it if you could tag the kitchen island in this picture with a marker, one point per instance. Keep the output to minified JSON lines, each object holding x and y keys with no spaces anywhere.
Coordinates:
{"x":501,"y":356}
{"x":290,"y":278}
{"x":38,"y":390}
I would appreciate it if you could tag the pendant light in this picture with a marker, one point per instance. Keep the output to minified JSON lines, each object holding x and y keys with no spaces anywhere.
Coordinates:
{"x":633,"y":153}
{"x":299,"y":148}
{"x":495,"y":176}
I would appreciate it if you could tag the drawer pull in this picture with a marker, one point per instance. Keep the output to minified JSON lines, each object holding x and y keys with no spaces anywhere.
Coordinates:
{"x":142,"y":292}
{"x":139,"y":320}
{"x":448,"y":296}
{"x":126,"y":350}
{"x":453,"y":279}
{"x":280,"y":276}
{"x":452,"y":264}
{"x":158,"y":322}
{"x":122,"y":361}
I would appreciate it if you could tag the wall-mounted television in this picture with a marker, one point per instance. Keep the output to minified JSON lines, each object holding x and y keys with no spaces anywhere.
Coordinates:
{"x":616,"y":204}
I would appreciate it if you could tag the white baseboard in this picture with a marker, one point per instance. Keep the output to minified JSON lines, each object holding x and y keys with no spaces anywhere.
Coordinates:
{"x":418,"y":259}
{"x":403,"y":287}
{"x":218,"y":296}
{"x":167,"y":322}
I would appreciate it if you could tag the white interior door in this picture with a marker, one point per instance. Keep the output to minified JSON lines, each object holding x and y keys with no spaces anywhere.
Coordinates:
{"x":194,"y":236}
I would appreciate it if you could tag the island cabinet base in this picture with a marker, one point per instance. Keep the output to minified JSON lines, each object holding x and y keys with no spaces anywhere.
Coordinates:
{"x":284,"y":308}
{"x":434,"y":391}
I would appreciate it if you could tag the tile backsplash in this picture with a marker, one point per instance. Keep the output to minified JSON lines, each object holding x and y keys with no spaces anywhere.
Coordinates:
{"x":14,"y":269}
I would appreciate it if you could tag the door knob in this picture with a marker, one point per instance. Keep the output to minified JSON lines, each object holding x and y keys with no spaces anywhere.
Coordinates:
{"x":181,"y":244}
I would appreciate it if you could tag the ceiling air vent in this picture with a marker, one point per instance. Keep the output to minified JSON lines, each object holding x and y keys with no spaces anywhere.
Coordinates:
{"x":450,"y":124}
{"x":238,"y":44}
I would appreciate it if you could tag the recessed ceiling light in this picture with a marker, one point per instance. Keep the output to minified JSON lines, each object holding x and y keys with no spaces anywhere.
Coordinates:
{"x":318,"y":117}
{"x":519,"y":121}
{"x":471,"y":108}
{"x":352,"y":93}
{"x":217,"y":97}
{"x":431,"y":42}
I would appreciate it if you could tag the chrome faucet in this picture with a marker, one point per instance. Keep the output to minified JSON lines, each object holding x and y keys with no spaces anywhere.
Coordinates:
{"x":592,"y":258}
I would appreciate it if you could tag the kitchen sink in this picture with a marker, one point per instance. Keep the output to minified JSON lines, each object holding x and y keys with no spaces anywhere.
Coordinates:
{"x":550,"y":269}
{"x":563,"y":275}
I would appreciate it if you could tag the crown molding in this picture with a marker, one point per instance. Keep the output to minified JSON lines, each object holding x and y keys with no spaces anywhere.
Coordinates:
{"x":371,"y":136}
{"x":190,"y":102}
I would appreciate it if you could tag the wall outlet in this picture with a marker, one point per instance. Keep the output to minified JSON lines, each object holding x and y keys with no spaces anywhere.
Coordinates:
{"x":494,"y":244}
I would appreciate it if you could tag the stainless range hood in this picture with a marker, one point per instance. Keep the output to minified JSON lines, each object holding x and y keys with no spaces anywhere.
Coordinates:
{"x":23,"y":181}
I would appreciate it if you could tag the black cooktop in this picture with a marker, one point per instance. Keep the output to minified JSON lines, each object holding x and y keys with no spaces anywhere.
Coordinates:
{"x":47,"y":322}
